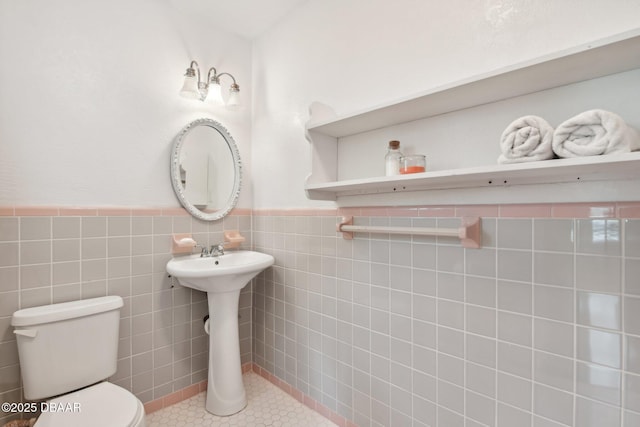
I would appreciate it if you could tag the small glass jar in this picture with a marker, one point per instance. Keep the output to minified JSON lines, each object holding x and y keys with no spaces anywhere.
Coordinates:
{"x":414,"y":163}
{"x":392,"y":159}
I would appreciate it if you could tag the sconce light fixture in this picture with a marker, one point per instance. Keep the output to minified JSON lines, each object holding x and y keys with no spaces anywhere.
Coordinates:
{"x":209,"y":90}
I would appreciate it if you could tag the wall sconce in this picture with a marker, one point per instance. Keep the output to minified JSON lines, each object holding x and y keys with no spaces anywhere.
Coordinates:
{"x":209,"y":90}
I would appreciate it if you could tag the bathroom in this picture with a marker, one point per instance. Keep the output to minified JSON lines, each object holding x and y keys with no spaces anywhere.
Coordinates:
{"x":539,"y":327}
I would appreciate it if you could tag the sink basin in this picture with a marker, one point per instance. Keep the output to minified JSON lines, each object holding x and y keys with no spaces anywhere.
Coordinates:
{"x":224,"y":273}
{"x":222,"y":278}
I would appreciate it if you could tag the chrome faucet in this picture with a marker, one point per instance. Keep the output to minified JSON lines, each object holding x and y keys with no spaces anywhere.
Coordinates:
{"x":216,"y":250}
{"x":213,"y":251}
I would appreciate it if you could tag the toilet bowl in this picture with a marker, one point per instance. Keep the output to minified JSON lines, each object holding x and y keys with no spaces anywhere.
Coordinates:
{"x":66,"y":353}
{"x":101,"y":405}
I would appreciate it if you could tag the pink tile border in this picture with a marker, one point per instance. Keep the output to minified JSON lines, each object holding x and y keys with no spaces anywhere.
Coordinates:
{"x":628,"y":210}
{"x":175,"y":397}
{"x":525,"y":211}
{"x":303,"y":398}
{"x":620,"y":210}
{"x":36,"y":211}
{"x":296,"y":212}
{"x":584,"y":210}
{"x":78,"y":211}
{"x":192,"y":390}
{"x":102,"y":211}
{"x":7,"y":211}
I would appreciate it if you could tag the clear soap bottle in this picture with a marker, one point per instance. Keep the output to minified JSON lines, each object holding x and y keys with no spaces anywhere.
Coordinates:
{"x":392,"y":159}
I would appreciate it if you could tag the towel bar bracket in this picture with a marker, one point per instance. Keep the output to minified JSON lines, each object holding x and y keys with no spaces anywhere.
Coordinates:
{"x":469,"y":232}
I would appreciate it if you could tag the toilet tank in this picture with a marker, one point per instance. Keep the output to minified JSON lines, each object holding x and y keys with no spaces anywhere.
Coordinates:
{"x":67,"y":346}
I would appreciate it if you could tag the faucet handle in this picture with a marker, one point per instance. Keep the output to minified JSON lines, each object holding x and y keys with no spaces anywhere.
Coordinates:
{"x":203,"y":252}
{"x":217,"y":250}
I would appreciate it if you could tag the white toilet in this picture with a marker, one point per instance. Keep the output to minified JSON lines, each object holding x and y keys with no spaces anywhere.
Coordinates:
{"x":66,"y":352}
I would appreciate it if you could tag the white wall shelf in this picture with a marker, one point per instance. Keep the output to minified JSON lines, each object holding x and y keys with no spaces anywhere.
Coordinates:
{"x":599,"y":168}
{"x":605,"y":57}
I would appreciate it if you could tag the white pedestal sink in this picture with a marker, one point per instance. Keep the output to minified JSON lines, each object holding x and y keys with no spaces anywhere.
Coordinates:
{"x":222,"y":278}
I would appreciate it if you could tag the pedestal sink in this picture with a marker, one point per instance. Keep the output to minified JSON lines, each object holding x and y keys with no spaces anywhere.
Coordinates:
{"x":222,"y":277}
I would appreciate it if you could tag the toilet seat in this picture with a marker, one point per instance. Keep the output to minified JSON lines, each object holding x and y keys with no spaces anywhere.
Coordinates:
{"x":101,"y":405}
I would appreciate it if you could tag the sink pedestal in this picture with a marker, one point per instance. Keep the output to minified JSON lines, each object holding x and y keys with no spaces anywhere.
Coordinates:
{"x":222,"y":278}
{"x":225,"y":391}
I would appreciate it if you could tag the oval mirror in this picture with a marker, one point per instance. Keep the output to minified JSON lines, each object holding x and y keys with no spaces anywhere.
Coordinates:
{"x":206,"y":169}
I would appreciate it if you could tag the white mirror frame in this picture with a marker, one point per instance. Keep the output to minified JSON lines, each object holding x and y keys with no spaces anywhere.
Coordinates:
{"x":175,"y":170}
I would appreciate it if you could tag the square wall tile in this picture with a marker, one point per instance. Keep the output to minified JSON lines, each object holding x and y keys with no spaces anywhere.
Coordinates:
{"x":515,"y":328}
{"x":632,"y":355}
{"x":451,"y":314}
{"x":598,"y":273}
{"x":481,"y":262}
{"x":481,"y":321}
{"x":599,"y":383}
{"x":632,"y":392}
{"x":66,"y":227}
{"x":481,"y":379}
{"x":554,"y":235}
{"x":9,"y":279}
{"x":515,"y":265}
{"x":450,"y":259}
{"x":553,"y":303}
{"x":632,"y":238}
{"x":509,"y":416}
{"x":515,"y":233}
{"x":599,"y":347}
{"x":451,"y":286}
{"x":553,"y":269}
{"x":66,"y":250}
{"x":481,"y":350}
{"x":632,"y":315}
{"x":596,"y":414}
{"x":554,"y":337}
{"x":9,"y":229}
{"x":599,"y":236}
{"x":94,"y":227}
{"x":515,"y":297}
{"x":553,"y":404}
{"x":35,"y":252}
{"x":515,"y":360}
{"x":632,"y":276}
{"x":599,"y":310}
{"x":554,"y":371}
{"x":480,"y":291}
{"x":480,"y":408}
{"x":35,"y":228}
{"x":9,"y":254}
{"x":514,"y":391}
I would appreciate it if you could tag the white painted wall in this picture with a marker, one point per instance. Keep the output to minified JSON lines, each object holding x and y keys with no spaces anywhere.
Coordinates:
{"x":356,"y":54}
{"x":88,"y":104}
{"x":89,"y":101}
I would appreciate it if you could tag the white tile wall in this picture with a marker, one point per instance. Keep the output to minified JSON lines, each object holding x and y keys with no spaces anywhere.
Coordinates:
{"x":163,"y":347}
{"x":540,"y":327}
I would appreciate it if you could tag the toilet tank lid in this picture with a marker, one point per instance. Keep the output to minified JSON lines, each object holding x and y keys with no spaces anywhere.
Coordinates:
{"x":66,"y":310}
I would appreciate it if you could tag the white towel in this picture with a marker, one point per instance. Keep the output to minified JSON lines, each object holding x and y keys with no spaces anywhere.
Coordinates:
{"x":526,"y":139}
{"x":594,"y":132}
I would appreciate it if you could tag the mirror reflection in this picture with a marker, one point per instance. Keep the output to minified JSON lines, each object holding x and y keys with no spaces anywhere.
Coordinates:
{"x":205,"y":169}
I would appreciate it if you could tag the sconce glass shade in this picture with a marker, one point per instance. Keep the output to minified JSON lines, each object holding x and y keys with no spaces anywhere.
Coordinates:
{"x":215,"y":93}
{"x":190,"y":87}
{"x":234,"y":96}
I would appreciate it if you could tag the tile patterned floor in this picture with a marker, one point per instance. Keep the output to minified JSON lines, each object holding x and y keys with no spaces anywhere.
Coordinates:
{"x":268,"y":406}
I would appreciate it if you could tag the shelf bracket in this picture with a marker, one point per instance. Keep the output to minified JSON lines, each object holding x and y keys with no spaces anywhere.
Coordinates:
{"x":469,"y":232}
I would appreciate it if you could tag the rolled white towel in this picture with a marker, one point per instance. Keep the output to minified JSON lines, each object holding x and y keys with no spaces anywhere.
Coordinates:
{"x":593,"y":133}
{"x":527,"y":139}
